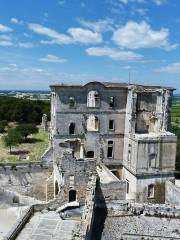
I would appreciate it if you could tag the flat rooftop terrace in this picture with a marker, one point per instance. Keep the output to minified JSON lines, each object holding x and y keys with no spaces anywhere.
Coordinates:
{"x":48,"y":226}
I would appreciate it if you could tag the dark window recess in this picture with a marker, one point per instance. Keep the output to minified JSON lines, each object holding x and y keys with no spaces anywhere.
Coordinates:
{"x":97,"y":99}
{"x":72,"y":195}
{"x":111,"y":102}
{"x":96,"y":123}
{"x":56,"y":188}
{"x":72,"y":102}
{"x":151,"y":191}
{"x":110,"y":149}
{"x":127,"y":186}
{"x":90,"y":154}
{"x":111,"y":124}
{"x":110,"y":152}
{"x":71,"y":128}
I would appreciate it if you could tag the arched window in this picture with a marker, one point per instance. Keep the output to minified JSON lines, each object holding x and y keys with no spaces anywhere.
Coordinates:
{"x":92,"y":123}
{"x":72,"y":195}
{"x":56,"y":188}
{"x":93,"y":99}
{"x":90,"y":154}
{"x":72,"y":102}
{"x":111,"y":102}
{"x":72,"y":128}
{"x":110,"y":149}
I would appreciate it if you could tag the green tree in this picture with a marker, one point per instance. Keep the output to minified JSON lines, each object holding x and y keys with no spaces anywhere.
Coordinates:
{"x":3,"y":125}
{"x":26,"y":129}
{"x":12,"y":138}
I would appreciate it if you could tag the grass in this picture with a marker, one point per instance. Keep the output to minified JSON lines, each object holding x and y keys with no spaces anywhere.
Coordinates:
{"x":34,"y":148}
{"x":175,"y":112}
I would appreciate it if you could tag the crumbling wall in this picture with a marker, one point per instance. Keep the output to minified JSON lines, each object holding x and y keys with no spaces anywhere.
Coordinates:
{"x":74,"y":174}
{"x":172,"y":194}
{"x":146,"y":119}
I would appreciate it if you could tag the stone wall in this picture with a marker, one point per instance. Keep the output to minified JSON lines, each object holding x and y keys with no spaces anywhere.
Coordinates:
{"x":72,"y":174}
{"x":172,"y":194}
{"x":84,"y":231}
{"x":26,"y":179}
{"x":63,"y":115}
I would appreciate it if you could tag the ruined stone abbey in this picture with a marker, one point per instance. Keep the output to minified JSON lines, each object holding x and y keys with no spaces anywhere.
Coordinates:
{"x":124,"y":127}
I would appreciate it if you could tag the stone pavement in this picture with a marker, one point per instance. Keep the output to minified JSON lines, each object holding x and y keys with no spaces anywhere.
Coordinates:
{"x":48,"y":226}
{"x":141,"y":227}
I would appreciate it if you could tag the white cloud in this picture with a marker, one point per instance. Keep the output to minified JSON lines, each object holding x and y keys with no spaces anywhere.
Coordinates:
{"x":61,"y":2}
{"x":102,"y":25}
{"x":140,"y":35}
{"x":5,"y":37}
{"x":114,"y":54}
{"x":27,"y":35}
{"x":53,"y":59}
{"x":140,"y":11}
{"x":76,"y":35}
{"x":13,"y":64}
{"x":84,"y":35}
{"x":26,"y":45}
{"x":4,"y":28}
{"x":128,"y":1}
{"x":160,"y":2}
{"x":171,"y":68}
{"x":157,"y":2}
{"x":6,"y":43}
{"x":57,"y":38}
{"x":16,"y":21}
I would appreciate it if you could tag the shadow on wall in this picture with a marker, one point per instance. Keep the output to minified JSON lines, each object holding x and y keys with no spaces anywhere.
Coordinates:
{"x":100,"y":214}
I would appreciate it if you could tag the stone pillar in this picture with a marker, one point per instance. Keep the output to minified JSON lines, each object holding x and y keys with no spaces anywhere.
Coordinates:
{"x":44,"y":123}
{"x":82,"y":150}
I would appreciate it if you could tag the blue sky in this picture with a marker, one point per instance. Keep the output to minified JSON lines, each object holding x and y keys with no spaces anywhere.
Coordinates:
{"x":74,"y":41}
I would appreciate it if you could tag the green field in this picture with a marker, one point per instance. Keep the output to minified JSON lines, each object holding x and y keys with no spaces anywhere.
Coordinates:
{"x":32,"y":150}
{"x":175,"y":111}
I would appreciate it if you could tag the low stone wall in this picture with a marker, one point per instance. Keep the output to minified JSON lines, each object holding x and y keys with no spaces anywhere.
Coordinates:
{"x":172,"y":194}
{"x":124,"y":208}
{"x":18,"y":226}
{"x":11,"y":197}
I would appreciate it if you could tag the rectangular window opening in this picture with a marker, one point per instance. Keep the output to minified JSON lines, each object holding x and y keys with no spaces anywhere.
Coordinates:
{"x":151,"y":191}
{"x":127,"y":186}
{"x":110,"y":152}
{"x":111,"y":124}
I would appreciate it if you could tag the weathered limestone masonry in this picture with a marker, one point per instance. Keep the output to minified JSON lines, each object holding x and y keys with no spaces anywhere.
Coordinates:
{"x":172,"y":194}
{"x":126,"y":127}
{"x":71,"y":177}
{"x":149,"y":149}
{"x":27,"y":179}
{"x":141,"y":221}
